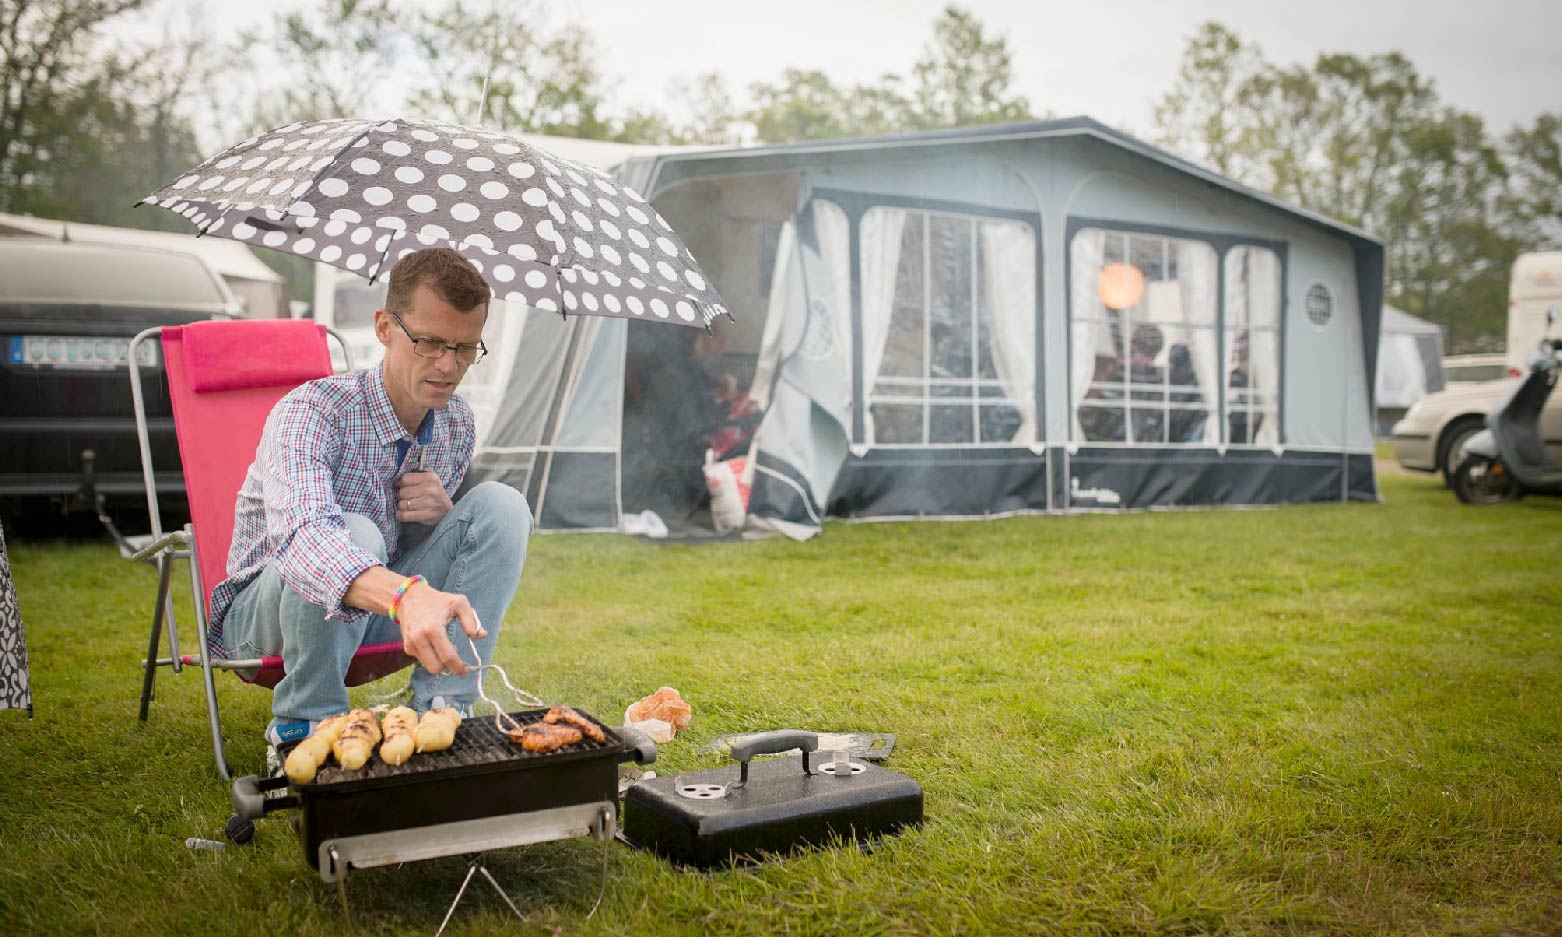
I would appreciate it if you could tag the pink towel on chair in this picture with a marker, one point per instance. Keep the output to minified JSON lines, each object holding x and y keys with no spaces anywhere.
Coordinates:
{"x":275,"y":353}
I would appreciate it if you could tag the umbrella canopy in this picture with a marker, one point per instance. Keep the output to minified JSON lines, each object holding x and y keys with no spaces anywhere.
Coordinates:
{"x":549,"y":232}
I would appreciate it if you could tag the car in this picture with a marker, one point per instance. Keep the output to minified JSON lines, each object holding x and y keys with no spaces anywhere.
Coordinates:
{"x":1476,"y":369}
{"x":1434,"y":429}
{"x":68,"y":311}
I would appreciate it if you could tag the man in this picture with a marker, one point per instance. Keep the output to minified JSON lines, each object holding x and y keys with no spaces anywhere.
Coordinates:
{"x":345,"y":533}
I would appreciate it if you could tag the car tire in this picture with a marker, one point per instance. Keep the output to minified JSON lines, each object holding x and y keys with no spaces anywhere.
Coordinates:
{"x":1481,"y":481}
{"x":1454,"y":438}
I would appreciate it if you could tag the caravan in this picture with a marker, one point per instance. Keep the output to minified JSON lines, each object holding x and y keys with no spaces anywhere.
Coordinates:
{"x":1534,"y":290}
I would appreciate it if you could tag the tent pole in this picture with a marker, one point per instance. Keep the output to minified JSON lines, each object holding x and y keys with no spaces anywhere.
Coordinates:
{"x":1345,"y":439}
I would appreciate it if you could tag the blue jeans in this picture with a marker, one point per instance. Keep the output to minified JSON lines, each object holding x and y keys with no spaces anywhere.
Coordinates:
{"x":477,"y":550}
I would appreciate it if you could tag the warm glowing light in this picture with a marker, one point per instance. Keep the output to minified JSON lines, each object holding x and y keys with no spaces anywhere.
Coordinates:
{"x":1122,"y":285}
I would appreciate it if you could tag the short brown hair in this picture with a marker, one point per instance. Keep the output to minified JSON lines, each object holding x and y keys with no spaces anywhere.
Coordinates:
{"x":451,"y":276}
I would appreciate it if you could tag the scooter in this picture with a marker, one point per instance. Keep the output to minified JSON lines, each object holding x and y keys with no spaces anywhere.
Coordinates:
{"x":1508,"y":459}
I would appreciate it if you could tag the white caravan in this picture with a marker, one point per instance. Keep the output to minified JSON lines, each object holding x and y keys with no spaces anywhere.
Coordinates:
{"x":1536,"y":287}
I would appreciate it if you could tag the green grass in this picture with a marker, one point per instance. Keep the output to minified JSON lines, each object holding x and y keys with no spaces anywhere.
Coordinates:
{"x":1322,"y":719}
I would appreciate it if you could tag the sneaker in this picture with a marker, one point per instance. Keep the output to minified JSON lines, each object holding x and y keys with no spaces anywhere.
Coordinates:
{"x":282,"y":736}
{"x":285,"y":733}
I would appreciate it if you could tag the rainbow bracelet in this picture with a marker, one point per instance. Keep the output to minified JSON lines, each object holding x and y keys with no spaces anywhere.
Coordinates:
{"x":401,"y":593}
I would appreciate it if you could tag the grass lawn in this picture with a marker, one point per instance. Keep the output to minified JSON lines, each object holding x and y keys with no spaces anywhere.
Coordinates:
{"x":1321,"y":719}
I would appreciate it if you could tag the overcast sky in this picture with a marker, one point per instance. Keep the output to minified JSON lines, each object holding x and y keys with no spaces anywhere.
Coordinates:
{"x":1499,"y":58}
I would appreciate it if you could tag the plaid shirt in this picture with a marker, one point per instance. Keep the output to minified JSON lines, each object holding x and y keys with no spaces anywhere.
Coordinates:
{"x":332,"y":445}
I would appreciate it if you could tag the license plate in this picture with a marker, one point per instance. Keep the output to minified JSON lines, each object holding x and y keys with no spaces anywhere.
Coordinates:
{"x":79,"y":353}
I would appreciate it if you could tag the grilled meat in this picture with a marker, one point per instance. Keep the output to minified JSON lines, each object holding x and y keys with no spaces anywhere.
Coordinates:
{"x":541,"y":737}
{"x":567,"y":716}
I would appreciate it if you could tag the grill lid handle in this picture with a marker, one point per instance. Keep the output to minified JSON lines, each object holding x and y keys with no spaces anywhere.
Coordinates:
{"x":773,"y":743}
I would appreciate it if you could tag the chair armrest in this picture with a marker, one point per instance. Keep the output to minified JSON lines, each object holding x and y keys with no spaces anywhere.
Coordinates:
{"x":166,"y":542}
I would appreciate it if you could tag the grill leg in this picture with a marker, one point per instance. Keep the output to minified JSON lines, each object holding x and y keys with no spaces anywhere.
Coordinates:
{"x":339,"y":869}
{"x":475,"y":866}
{"x":164,"y":567}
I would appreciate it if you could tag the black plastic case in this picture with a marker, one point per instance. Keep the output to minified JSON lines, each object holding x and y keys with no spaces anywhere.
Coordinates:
{"x":785,"y":803}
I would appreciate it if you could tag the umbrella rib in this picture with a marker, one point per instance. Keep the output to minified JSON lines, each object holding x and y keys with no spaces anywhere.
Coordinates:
{"x":327,"y":167}
{"x":380,"y":265}
{"x":201,"y":231}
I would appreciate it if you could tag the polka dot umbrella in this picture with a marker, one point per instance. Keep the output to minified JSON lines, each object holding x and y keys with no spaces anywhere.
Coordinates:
{"x":360,"y":194}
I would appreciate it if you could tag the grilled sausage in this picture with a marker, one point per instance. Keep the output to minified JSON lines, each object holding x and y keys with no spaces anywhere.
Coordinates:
{"x":307,"y":757}
{"x":359,"y":736}
{"x":436,"y":731}
{"x":398,"y":727}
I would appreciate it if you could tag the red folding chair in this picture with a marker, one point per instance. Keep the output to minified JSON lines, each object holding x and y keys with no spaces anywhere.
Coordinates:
{"x":223,"y":379}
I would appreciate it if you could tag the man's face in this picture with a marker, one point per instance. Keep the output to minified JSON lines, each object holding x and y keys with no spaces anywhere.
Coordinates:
{"x":426,"y":383}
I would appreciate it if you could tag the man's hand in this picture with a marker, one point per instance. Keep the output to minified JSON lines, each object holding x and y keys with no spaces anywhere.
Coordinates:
{"x":423,"y":614}
{"x":421,"y":498}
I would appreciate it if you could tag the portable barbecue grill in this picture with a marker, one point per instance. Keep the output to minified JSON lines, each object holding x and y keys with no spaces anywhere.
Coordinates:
{"x":484,"y":792}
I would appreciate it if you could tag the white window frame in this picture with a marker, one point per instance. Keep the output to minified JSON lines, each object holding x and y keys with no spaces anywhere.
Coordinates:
{"x":1127,"y":403}
{"x":977,"y":384}
{"x":1270,"y":409}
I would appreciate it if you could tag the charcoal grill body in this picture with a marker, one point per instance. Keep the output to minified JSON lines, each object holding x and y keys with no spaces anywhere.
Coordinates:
{"x":785,"y":803}
{"x":449,"y":795}
{"x":456,"y":794}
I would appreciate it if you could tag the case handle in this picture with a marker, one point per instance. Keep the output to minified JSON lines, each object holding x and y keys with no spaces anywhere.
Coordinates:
{"x":773,"y":743}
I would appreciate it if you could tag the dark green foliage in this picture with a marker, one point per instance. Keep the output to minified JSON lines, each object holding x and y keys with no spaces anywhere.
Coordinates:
{"x":86,"y":131}
{"x":1367,"y":140}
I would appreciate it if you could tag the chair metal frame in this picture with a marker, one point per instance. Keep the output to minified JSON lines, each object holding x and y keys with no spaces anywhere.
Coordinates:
{"x":166,"y":548}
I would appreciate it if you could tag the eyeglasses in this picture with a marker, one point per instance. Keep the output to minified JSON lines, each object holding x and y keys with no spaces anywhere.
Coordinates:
{"x":434,"y":347}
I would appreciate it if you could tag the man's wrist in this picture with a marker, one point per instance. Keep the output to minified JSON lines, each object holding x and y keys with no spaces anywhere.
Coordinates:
{"x":400,"y":595}
{"x":373,"y":589}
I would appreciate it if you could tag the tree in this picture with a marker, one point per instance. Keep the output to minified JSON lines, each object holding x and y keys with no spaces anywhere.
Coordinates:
{"x":1535,"y":155}
{"x":1274,"y":147}
{"x":89,"y":127}
{"x":963,"y":77}
{"x":535,"y":82}
{"x":803,"y":105}
{"x":1374,"y":115}
{"x":714,"y":117}
{"x":1448,"y":257}
{"x":1366,"y":140}
{"x":1199,"y":115}
{"x":44,"y":71}
{"x":333,"y":59}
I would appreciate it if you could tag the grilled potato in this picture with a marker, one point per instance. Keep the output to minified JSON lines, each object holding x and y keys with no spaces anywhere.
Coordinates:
{"x":398,"y":727}
{"x":305,"y":759}
{"x":436,"y":731}
{"x":356,"y":743}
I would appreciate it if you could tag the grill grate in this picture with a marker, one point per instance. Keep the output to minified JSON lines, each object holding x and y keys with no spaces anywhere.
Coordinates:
{"x":478,"y":742}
